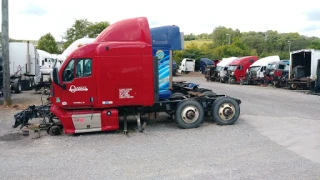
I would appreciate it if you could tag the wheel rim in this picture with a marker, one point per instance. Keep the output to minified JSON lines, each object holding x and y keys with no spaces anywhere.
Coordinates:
{"x":226,"y":111}
{"x":19,"y":86}
{"x":293,"y":86}
{"x":190,"y":114}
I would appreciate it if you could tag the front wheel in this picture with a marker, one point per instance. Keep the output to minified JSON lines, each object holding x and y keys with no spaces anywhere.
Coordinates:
{"x":232,"y":80}
{"x":189,"y":114}
{"x":225,"y":111}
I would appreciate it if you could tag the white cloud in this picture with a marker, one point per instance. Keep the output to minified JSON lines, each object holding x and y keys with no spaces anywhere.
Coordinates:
{"x":30,"y":19}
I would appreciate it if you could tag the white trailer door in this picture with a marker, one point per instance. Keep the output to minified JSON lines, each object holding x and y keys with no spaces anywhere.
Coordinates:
{"x":189,"y":65}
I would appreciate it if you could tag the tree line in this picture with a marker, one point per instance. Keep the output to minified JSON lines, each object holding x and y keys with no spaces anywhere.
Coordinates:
{"x":222,"y":42}
{"x":226,"y":42}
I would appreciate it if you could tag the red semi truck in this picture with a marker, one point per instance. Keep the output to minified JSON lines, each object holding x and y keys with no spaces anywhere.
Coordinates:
{"x":237,"y":69}
{"x":117,"y":76}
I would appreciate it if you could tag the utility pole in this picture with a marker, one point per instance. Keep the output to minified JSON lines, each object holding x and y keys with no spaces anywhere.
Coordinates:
{"x":5,"y":53}
{"x":229,"y":38}
{"x":289,"y":46}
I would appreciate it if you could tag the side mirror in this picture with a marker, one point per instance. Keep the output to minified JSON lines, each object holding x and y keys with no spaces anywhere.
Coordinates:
{"x":56,"y":79}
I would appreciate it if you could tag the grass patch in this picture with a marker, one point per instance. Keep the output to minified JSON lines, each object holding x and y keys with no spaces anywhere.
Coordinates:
{"x":198,"y":42}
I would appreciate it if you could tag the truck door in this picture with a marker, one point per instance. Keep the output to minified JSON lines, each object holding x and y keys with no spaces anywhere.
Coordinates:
{"x":80,"y":84}
{"x":189,"y":65}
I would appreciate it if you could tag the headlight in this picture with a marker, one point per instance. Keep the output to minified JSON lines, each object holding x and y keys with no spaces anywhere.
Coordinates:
{"x":232,"y":73}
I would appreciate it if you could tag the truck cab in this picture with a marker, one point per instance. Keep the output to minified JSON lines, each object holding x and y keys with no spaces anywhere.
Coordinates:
{"x":238,"y":68}
{"x":206,"y":64}
{"x":257,"y":71}
{"x":46,"y":62}
{"x":222,"y":68}
{"x":277,"y":69}
{"x":116,"y":76}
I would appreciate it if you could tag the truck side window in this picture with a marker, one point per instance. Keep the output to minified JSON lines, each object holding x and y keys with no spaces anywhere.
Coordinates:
{"x":68,"y":73}
{"x":84,"y":68}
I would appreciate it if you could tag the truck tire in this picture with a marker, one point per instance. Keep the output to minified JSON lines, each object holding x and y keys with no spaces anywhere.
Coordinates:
{"x":189,"y":114}
{"x":292,"y":86}
{"x":17,"y":86}
{"x":225,"y":111}
{"x":32,"y":83}
{"x":232,"y":80}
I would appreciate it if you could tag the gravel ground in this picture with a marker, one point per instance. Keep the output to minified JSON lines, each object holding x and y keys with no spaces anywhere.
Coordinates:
{"x":276,"y":137}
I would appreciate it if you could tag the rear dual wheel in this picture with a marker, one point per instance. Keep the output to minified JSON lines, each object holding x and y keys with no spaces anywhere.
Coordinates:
{"x":225,"y":111}
{"x":189,"y":114}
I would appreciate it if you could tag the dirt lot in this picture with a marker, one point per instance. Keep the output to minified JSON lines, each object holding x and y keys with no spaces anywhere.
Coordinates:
{"x":276,"y":137}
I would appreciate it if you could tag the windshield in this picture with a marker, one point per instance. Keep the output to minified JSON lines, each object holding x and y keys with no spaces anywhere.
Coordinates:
{"x":282,"y":66}
{"x":232,"y":68}
{"x":219,"y":68}
{"x":254,"y":68}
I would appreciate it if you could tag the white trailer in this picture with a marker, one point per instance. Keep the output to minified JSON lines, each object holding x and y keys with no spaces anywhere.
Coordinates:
{"x":24,"y":66}
{"x":77,"y":43}
{"x":303,"y":68}
{"x":187,"y":65}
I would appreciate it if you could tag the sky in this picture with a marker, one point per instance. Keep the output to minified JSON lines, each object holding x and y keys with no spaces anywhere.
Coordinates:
{"x":30,"y":19}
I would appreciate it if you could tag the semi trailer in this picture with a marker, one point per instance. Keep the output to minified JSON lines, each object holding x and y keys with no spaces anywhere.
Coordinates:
{"x":24,"y":66}
{"x":303,"y":68}
{"x":117,"y":76}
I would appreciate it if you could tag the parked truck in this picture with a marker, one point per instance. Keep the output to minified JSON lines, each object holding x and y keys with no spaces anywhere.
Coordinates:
{"x":237,"y":69}
{"x":277,"y":73}
{"x":256,"y":73}
{"x":24,"y":66}
{"x":206,"y":63}
{"x":303,"y":68}
{"x":46,"y":63}
{"x":46,"y":60}
{"x":221,"y":70}
{"x":116,"y":76}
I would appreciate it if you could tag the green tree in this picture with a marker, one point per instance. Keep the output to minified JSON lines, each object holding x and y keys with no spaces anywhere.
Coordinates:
{"x":189,"y":37}
{"x":48,"y":43}
{"x":315,"y":44}
{"x":221,"y":34}
{"x":83,"y":28}
{"x":96,"y":28}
